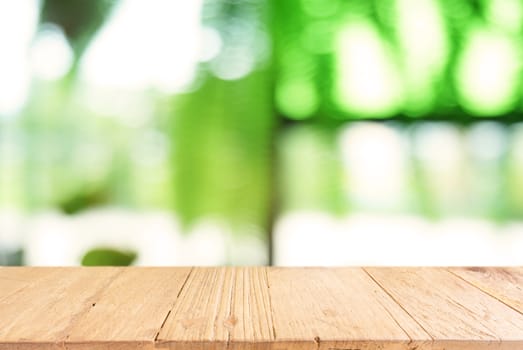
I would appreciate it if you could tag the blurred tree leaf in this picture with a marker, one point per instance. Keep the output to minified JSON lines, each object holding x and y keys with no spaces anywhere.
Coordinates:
{"x":80,"y":19}
{"x":11,"y":257}
{"x":108,"y":257}
{"x":221,"y":156}
{"x":83,"y":200}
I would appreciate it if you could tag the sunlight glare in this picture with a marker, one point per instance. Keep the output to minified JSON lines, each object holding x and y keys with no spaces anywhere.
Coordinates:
{"x":375,"y":165}
{"x":51,"y":55}
{"x":18,"y":21}
{"x":368,"y":83}
{"x":146,"y":44}
{"x":211,"y":44}
{"x":506,"y":14}
{"x":487,"y":73}
{"x":297,"y":98}
{"x":423,"y":39}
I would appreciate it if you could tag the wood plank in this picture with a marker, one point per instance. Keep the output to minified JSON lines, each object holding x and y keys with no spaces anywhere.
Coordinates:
{"x":337,"y":308}
{"x":14,"y":279}
{"x":220,"y":307}
{"x":503,"y":283}
{"x":40,"y":316}
{"x":456,"y":314}
{"x":129,"y":312}
{"x":261,"y":308}
{"x":250,"y":319}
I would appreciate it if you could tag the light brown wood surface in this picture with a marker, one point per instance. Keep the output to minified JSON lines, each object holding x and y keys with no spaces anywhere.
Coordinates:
{"x":261,"y":308}
{"x":504,"y":284}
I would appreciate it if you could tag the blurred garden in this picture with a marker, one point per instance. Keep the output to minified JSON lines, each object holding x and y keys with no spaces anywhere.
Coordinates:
{"x":288,"y":132}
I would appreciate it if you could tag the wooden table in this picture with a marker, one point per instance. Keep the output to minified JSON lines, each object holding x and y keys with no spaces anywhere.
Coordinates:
{"x":261,"y":308}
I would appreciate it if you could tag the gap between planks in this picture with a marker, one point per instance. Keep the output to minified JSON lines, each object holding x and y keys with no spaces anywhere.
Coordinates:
{"x":449,"y":300}
{"x":222,"y":306}
{"x":247,"y":292}
{"x":173,"y":303}
{"x":399,"y":305}
{"x":271,"y":309}
{"x":486,"y":291}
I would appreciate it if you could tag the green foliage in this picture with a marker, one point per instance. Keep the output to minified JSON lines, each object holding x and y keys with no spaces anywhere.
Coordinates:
{"x":221,"y":150}
{"x":372,"y":59}
{"x":11,"y":257}
{"x":108,"y":257}
{"x":81,"y":200}
{"x":233,"y":144}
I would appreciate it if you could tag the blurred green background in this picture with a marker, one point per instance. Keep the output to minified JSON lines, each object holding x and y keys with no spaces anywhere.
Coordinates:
{"x":261,"y":131}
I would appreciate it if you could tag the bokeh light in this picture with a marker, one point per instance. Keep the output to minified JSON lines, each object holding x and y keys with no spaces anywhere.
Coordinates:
{"x":295,"y":132}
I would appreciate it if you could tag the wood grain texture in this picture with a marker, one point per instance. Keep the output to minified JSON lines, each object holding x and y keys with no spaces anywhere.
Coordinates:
{"x":259,"y":308}
{"x":503,"y":283}
{"x":219,"y":307}
{"x":43,"y":314}
{"x":456,"y":314}
{"x":13,"y":279}
{"x":337,"y":308}
{"x":143,"y":297}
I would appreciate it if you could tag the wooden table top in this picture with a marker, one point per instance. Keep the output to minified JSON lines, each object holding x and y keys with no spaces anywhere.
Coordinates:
{"x":260,"y":308}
